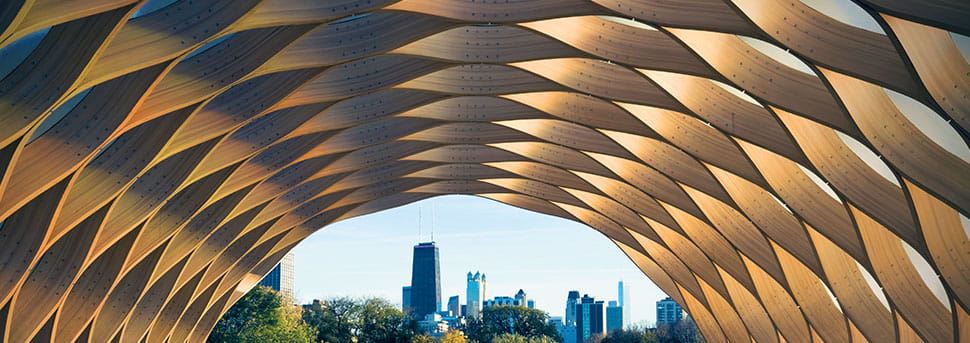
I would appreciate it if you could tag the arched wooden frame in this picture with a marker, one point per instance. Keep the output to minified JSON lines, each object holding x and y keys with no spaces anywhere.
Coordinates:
{"x":756,"y":159}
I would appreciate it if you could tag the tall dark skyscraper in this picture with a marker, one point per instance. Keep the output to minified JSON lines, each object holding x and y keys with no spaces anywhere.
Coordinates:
{"x":425,"y":280}
{"x":589,"y":318}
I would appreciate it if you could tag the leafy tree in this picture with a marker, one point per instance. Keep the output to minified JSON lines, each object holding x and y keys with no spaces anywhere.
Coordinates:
{"x":454,"y":336}
{"x":363,"y":321}
{"x":632,"y":335}
{"x":261,"y":316}
{"x":381,"y":322}
{"x":334,"y":319}
{"x":516,"y":320}
{"x":512,"y":338}
{"x":684,"y":331}
{"x":423,"y":339}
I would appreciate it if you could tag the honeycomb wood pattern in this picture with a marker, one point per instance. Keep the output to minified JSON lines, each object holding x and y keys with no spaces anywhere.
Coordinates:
{"x":755,"y":158}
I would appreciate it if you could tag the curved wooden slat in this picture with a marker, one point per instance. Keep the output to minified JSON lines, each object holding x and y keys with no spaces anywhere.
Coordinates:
{"x":941,"y":67}
{"x":625,"y":41}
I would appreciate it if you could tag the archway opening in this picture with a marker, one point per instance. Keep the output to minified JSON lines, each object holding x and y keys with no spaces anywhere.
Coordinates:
{"x":547,"y":256}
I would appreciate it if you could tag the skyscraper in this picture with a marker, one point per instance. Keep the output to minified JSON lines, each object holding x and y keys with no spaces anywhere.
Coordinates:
{"x":589,"y":318}
{"x":475,"y":293}
{"x":499,"y":301}
{"x":558,"y":324}
{"x":521,"y":298}
{"x":425,"y":280}
{"x":454,"y":306}
{"x":571,"y":300}
{"x":623,"y":298}
{"x":406,"y":299}
{"x":280,"y":278}
{"x":668,"y":312}
{"x":614,"y":316}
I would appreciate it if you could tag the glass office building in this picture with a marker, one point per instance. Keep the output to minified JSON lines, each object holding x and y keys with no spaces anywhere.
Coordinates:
{"x":425,"y":280}
{"x":281,"y":277}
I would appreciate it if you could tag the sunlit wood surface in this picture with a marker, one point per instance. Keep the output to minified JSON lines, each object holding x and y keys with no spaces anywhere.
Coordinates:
{"x":783,"y":174}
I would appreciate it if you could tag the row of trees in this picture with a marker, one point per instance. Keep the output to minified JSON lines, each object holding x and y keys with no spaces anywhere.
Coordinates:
{"x":455,"y":336}
{"x":263,"y":316}
{"x":363,"y":321}
{"x":684,"y":331}
{"x":506,"y":322}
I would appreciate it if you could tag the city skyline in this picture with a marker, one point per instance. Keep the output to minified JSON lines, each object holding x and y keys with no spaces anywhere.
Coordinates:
{"x":546,"y":278}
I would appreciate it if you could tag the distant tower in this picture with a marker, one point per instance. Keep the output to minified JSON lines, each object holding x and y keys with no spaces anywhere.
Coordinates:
{"x":281,"y":277}
{"x":521,"y":298}
{"x":406,"y":299}
{"x":474,"y":294}
{"x":668,"y":312}
{"x":614,"y":316}
{"x":571,"y":302}
{"x":425,"y":280}
{"x":623,"y":298}
{"x":569,"y":327}
{"x":557,"y":322}
{"x":454,"y":306}
{"x":589,"y":318}
{"x":484,"y":286}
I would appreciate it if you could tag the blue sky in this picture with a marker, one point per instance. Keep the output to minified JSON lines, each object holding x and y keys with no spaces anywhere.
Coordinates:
{"x":544,"y":255}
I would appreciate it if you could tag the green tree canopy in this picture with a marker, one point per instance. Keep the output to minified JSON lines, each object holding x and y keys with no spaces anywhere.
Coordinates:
{"x":334,"y":319}
{"x":423,"y":339}
{"x":632,"y":335}
{"x":684,"y":331}
{"x":261,"y":316}
{"x":515,"y":320}
{"x":382,"y":322}
{"x":364,"y":321}
{"x":511,"y":338}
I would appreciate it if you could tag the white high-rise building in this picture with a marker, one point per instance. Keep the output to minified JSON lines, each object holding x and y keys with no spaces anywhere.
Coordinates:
{"x":624,"y":301}
{"x":521,"y":298}
{"x":474,"y":293}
